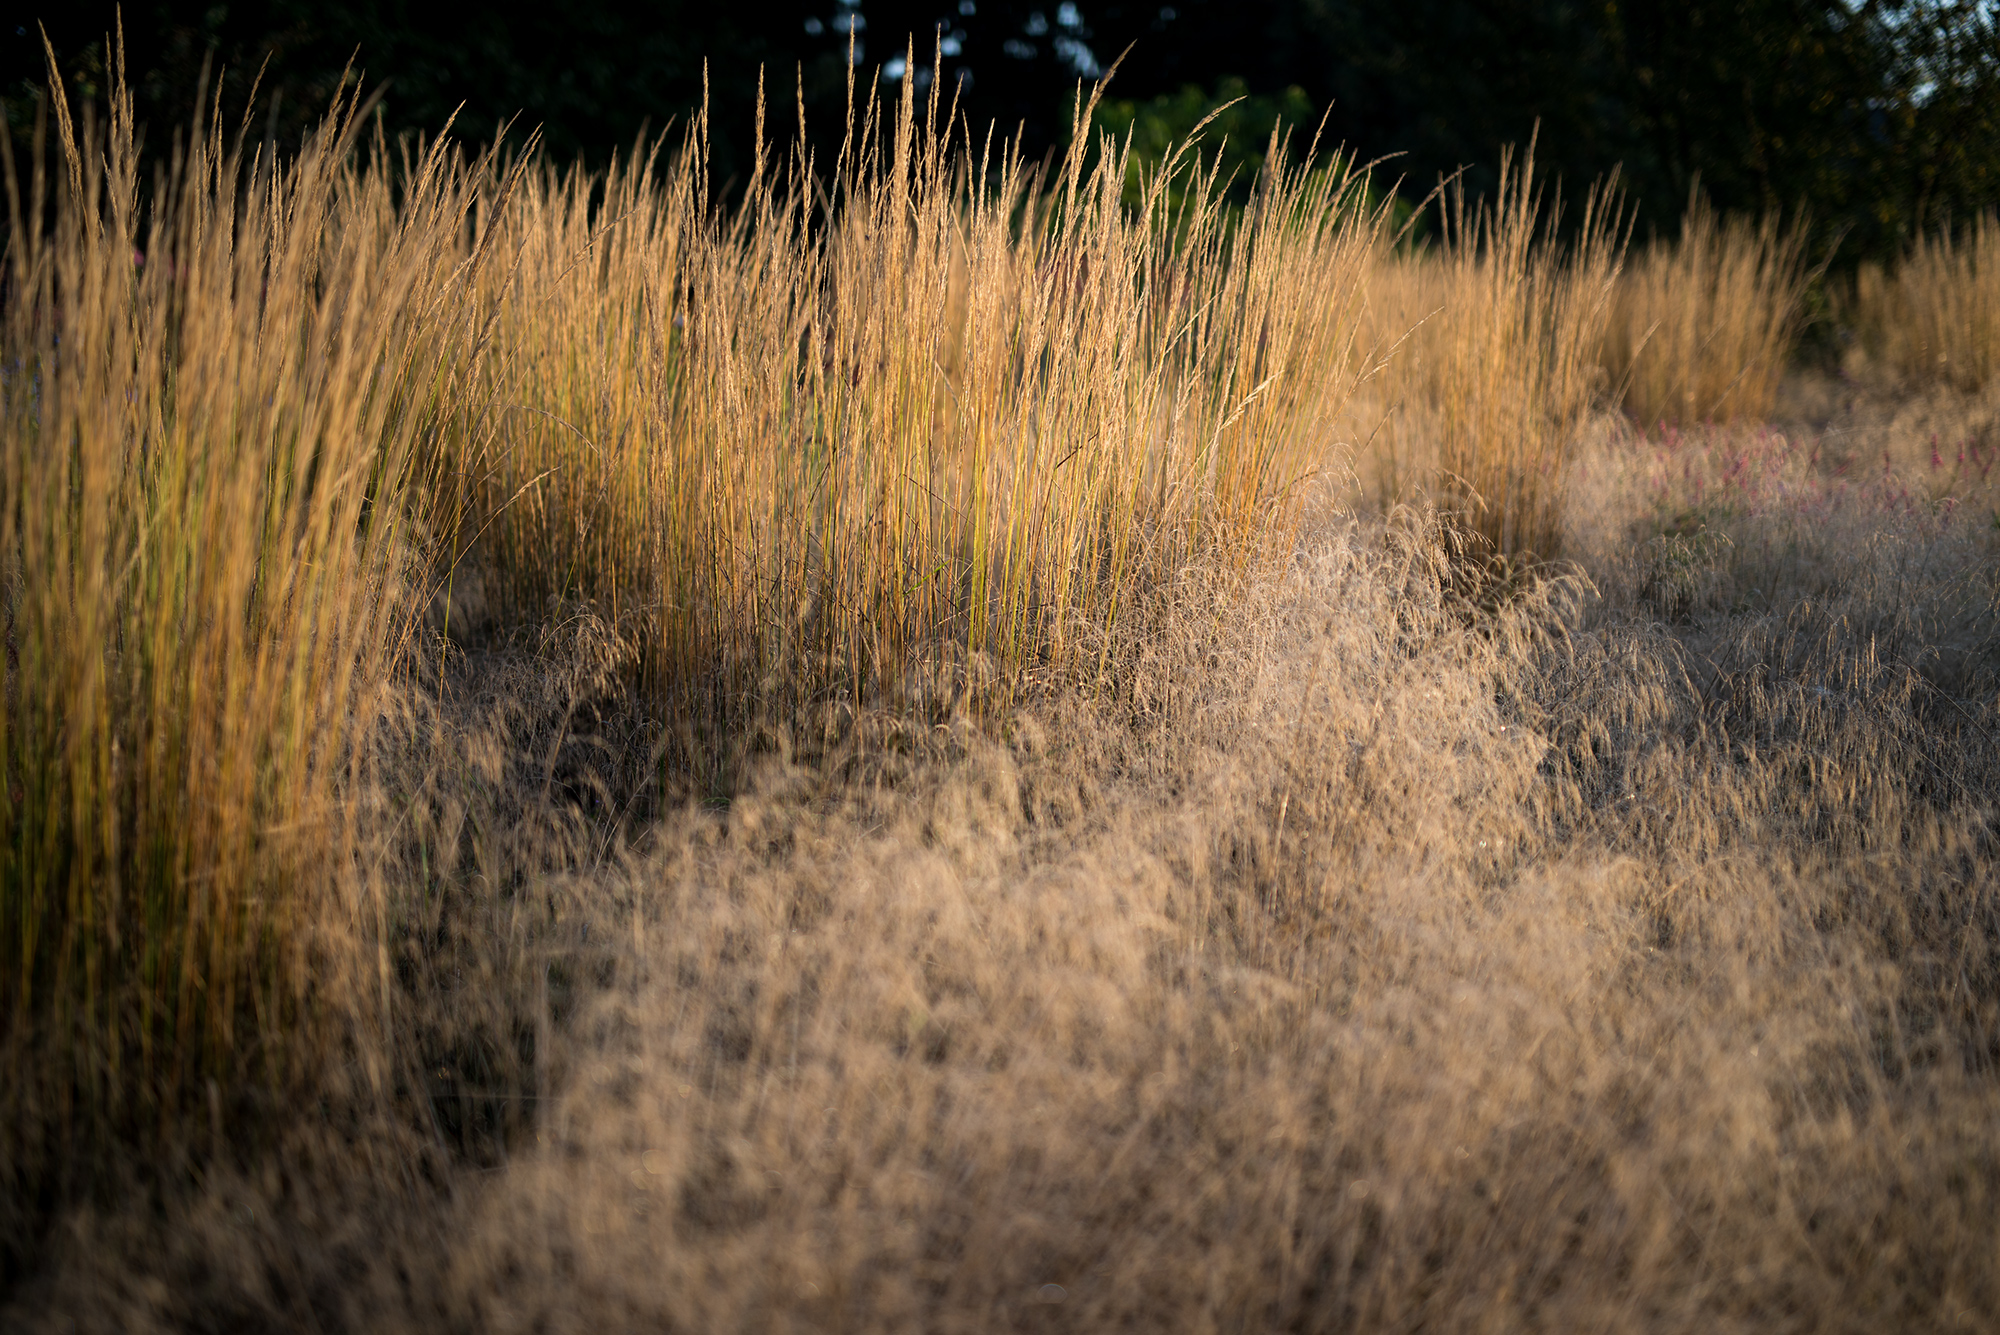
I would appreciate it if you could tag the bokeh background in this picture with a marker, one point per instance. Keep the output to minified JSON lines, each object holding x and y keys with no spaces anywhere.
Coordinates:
{"x":1880,"y":119}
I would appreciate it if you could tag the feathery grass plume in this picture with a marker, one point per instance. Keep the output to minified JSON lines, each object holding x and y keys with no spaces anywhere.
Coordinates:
{"x":1701,"y":326}
{"x":1935,"y":319}
{"x":216,"y":411}
{"x":943,"y":405}
{"x":1363,"y":965}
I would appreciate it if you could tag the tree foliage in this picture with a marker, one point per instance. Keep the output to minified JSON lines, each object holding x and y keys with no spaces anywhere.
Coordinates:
{"x":1879,"y":117}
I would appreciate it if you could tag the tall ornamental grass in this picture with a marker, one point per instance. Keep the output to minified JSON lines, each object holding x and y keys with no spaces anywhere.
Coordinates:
{"x":1701,"y":326}
{"x":940,"y":406}
{"x":944,"y":404}
{"x":1935,"y":318}
{"x":217,"y":412}
{"x":1486,"y":370}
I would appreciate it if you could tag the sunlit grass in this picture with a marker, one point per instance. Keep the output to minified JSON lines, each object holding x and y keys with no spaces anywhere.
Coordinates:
{"x":1703,"y":326}
{"x":1490,"y":348}
{"x":947,"y":404}
{"x":1935,"y":317}
{"x":786,"y":454}
{"x":579,"y":757}
{"x":219,"y":407}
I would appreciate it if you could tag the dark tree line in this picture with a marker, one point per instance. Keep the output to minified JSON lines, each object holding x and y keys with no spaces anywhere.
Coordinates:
{"x":1881,"y":118}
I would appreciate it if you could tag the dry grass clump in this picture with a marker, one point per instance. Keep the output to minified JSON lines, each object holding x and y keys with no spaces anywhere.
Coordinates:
{"x":1702,"y":326}
{"x":1935,"y":319}
{"x":949,"y":404}
{"x":1490,"y":347}
{"x":215,"y":411}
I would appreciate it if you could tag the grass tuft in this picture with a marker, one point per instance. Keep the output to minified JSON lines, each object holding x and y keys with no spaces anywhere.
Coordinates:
{"x":1936,"y":318}
{"x":217,"y":420}
{"x":1702,"y":327}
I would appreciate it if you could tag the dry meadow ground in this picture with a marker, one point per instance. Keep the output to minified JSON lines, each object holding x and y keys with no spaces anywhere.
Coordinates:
{"x":953,"y":759}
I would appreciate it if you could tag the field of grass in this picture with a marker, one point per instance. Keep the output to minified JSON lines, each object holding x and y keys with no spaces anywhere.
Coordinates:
{"x":931,"y":749}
